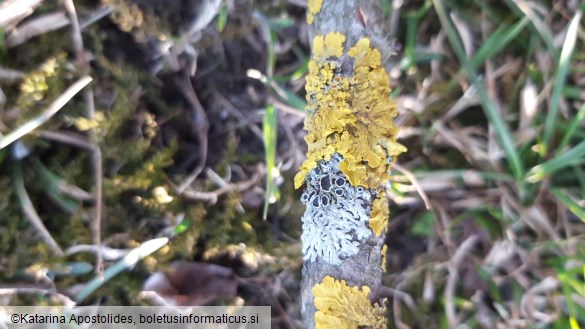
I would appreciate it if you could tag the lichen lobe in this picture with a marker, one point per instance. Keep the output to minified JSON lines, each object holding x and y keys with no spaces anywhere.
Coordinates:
{"x":353,"y":115}
{"x":340,"y":306}
{"x":313,"y":8}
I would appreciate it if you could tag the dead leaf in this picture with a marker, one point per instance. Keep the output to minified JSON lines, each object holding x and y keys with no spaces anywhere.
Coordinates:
{"x":192,"y":284}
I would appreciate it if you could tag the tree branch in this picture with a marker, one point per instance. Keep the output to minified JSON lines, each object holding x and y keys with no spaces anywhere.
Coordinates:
{"x":352,"y":145}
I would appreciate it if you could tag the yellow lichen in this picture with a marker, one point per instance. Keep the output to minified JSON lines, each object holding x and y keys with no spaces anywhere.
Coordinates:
{"x":329,"y":46}
{"x":342,"y":307}
{"x":379,"y":216}
{"x":313,"y":6}
{"x":350,"y":115}
{"x":364,"y":55}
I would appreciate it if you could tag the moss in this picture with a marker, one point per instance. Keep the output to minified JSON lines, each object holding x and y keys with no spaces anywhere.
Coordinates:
{"x":126,"y":15}
{"x":35,"y":85}
{"x":342,"y":307}
{"x":20,"y":245}
{"x":75,"y":231}
{"x":71,"y":164}
{"x":39,"y":88}
{"x":142,"y":175}
{"x":184,"y":246}
{"x":134,"y":168}
{"x":145,"y":19}
{"x":11,"y":236}
{"x":223,"y":224}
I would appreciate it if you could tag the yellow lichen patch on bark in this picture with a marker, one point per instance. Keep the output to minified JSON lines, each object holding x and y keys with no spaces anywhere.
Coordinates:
{"x":313,"y":8}
{"x":328,"y":97}
{"x":379,"y":215}
{"x":342,"y":307}
{"x":364,"y":55}
{"x":351,"y":115}
{"x":329,"y":46}
{"x":374,"y":133}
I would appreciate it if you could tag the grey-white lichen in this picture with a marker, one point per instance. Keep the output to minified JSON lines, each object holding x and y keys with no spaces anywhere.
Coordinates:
{"x":337,"y":215}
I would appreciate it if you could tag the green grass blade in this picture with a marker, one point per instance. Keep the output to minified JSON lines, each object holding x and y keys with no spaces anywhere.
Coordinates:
{"x":572,"y":127}
{"x":281,"y":22}
{"x":490,"y":110}
{"x":412,"y":24}
{"x":222,"y":18}
{"x":559,"y":82}
{"x":129,"y":261}
{"x":271,"y":58}
{"x":409,"y":52}
{"x":569,"y":203}
{"x":29,"y":211}
{"x":567,"y":158}
{"x":423,"y":225}
{"x":497,"y":40}
{"x":69,"y":269}
{"x":564,"y":278}
{"x":52,"y":185}
{"x":3,"y":49}
{"x":281,"y":93}
{"x":287,"y":96}
{"x":183,"y":226}
{"x":521,"y":7}
{"x":270,"y":126}
{"x":301,"y":71}
{"x":579,"y":177}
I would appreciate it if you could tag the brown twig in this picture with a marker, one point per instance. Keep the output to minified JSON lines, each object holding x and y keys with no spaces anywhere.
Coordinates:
{"x":213,"y":195}
{"x":239,"y":115}
{"x":35,"y":27}
{"x":397,"y":310}
{"x":44,"y":24}
{"x":13,"y":11}
{"x":69,"y":138}
{"x":201,"y":126}
{"x":456,"y":260}
{"x":10,"y":75}
{"x":394,"y":17}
